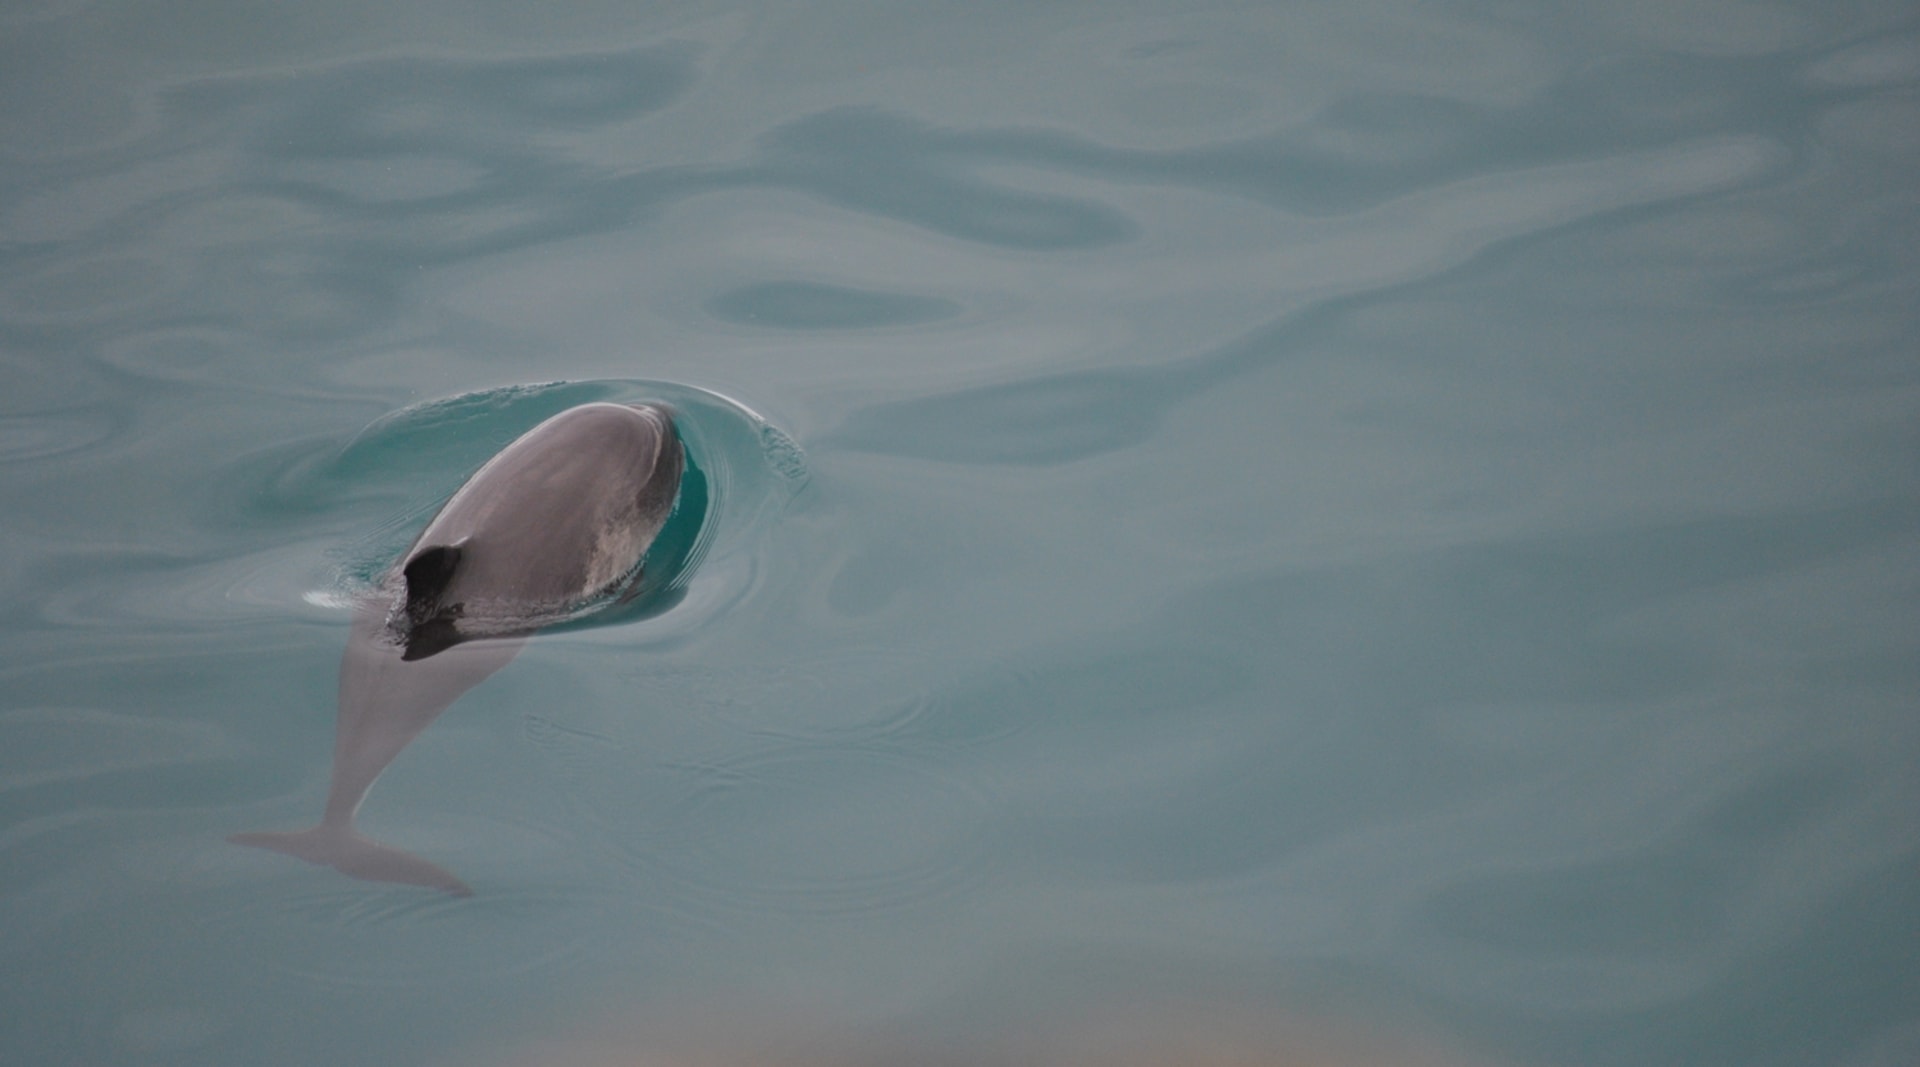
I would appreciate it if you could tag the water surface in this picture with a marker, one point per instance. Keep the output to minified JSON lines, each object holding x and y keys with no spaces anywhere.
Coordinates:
{"x":1388,"y":515}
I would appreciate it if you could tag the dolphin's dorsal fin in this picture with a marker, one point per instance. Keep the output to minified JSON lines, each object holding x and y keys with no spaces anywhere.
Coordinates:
{"x":430,"y":618}
{"x":427,"y":575}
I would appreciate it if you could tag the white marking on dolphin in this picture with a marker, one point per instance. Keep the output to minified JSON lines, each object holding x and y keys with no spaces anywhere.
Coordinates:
{"x":558,"y":521}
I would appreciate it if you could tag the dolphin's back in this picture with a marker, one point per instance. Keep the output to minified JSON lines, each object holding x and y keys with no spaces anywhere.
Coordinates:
{"x":560,"y":515}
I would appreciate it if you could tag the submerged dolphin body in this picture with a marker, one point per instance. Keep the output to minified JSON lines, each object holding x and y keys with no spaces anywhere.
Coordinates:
{"x":561,"y":518}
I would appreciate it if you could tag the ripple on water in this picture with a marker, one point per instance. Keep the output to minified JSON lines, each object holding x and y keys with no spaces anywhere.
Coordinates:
{"x":40,"y":436}
{"x":351,"y":934}
{"x":840,"y":832}
{"x":275,"y":585}
{"x":180,"y":354}
{"x":43,"y":745}
{"x":317,"y":924}
{"x":813,"y":306}
{"x":87,"y":289}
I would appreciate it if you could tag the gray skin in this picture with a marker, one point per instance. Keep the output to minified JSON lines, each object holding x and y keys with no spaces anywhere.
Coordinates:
{"x":561,"y":516}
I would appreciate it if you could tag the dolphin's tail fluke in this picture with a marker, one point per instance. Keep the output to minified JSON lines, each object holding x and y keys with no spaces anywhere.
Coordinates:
{"x":339,"y":847}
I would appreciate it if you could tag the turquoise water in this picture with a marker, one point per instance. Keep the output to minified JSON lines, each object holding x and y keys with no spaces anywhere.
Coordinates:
{"x":1397,"y":518}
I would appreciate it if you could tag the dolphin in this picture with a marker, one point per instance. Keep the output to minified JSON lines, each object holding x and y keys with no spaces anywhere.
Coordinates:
{"x":556,"y":523}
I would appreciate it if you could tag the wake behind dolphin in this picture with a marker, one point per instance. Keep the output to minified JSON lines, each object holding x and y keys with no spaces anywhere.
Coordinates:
{"x":557,"y":523}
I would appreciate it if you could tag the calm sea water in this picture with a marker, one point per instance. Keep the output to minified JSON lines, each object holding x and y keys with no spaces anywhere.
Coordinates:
{"x":1390,"y":517}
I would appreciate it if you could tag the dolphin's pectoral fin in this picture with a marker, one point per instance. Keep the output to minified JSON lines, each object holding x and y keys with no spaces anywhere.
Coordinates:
{"x":427,"y":575}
